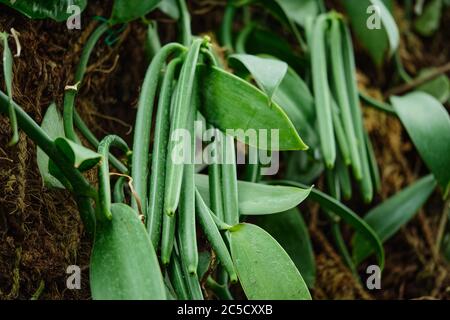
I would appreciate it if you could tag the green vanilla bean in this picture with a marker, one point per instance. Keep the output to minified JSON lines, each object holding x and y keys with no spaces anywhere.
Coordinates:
{"x":175,"y":165}
{"x":321,"y":91}
{"x":350,"y":73}
{"x":118,"y":192}
{"x":104,"y":187}
{"x":339,"y":84}
{"x":229,"y":182}
{"x":177,"y":278}
{"x":343,"y":175}
{"x":142,"y":128}
{"x":340,"y":135}
{"x":215,"y":176}
{"x":167,"y":238}
{"x":8,"y":74}
{"x":159,"y":154}
{"x":192,"y":281}
{"x":82,"y":189}
{"x":70,"y":94}
{"x":186,"y":221}
{"x":213,"y":234}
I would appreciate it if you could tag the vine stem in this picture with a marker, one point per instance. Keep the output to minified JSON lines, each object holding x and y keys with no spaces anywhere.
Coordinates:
{"x":70,"y":95}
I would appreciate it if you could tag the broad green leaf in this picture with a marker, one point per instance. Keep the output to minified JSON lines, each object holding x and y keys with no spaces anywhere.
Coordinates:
{"x":294,"y":96}
{"x":291,"y":232}
{"x":297,"y":91}
{"x":264,"y":269}
{"x":80,"y":157}
{"x":52,"y":124}
{"x":123,"y":262}
{"x":389,"y":24}
{"x":438,"y":87}
{"x":259,"y":199}
{"x":58,"y":10}
{"x":430,"y":19}
{"x":383,"y":33}
{"x":263,"y":41}
{"x":230,"y":103}
{"x":428,"y":124}
{"x":387,"y":218}
{"x":299,"y":11}
{"x":128,"y":10}
{"x":267,"y":72}
{"x":170,"y":7}
{"x":346,"y":214}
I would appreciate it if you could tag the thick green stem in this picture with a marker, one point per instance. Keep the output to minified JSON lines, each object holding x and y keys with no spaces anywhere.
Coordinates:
{"x":70,"y":95}
{"x":104,"y":187}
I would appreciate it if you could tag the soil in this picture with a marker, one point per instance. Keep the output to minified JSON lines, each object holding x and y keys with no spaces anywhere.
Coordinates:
{"x":40,"y":230}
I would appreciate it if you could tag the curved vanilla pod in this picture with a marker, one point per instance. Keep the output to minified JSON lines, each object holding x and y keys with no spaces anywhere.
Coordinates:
{"x":159,"y":153}
{"x":174,"y":167}
{"x":142,"y":127}
{"x":210,"y":228}
{"x":321,"y":90}
{"x":104,"y":187}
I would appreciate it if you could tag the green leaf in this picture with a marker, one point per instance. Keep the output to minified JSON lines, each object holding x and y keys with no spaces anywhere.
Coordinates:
{"x":80,"y":157}
{"x":291,"y":232}
{"x":299,"y":11}
{"x":387,"y":218}
{"x":229,"y":102}
{"x":259,"y":199}
{"x":376,"y":40}
{"x":428,"y":124}
{"x":265,"y":270}
{"x":428,"y":23}
{"x":123,"y":262}
{"x":438,"y":87}
{"x":128,"y":10}
{"x":170,"y":8}
{"x":267,"y":72}
{"x":42,"y":9}
{"x":294,"y":96}
{"x":52,"y":124}
{"x":346,"y":214}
